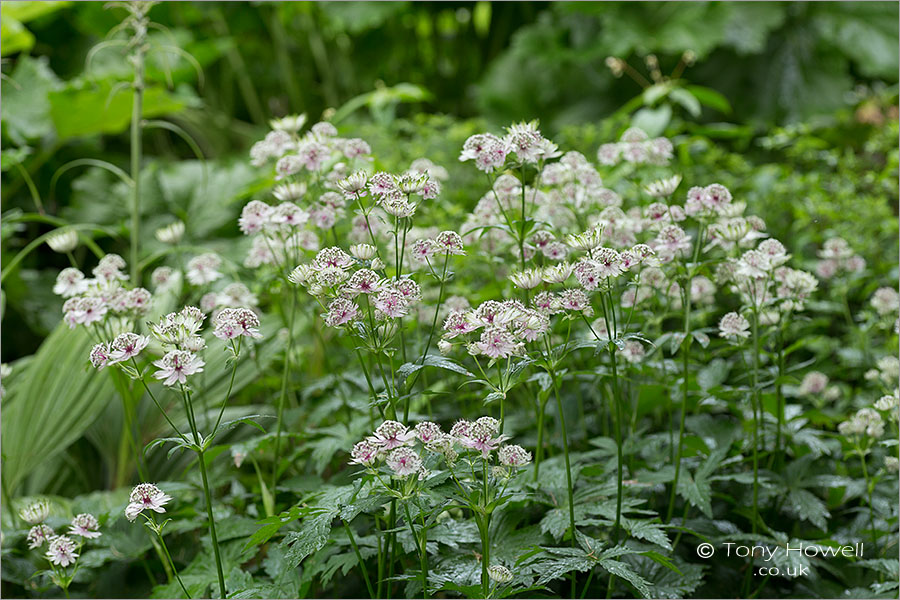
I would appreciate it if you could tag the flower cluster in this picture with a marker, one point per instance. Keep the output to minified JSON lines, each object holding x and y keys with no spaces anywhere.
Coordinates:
{"x":866,"y":421}
{"x":636,"y":147}
{"x":837,"y":257}
{"x":96,"y":299}
{"x":146,"y":496}
{"x":522,"y":144}
{"x":62,"y":550}
{"x":396,"y":445}
{"x":505,"y":327}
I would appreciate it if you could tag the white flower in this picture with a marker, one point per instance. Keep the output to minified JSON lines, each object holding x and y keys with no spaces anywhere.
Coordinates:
{"x":36,"y":512}
{"x":500,"y":574}
{"x":176,"y":365}
{"x":70,"y":282}
{"x":513,"y":456}
{"x":365,"y":453}
{"x":734,"y":326}
{"x":204,"y":269}
{"x":61,"y":551}
{"x":231,"y":323}
{"x":363,"y":251}
{"x":146,"y":496}
{"x":663,"y":188}
{"x":39,"y":534}
{"x":63,"y":240}
{"x":392,"y":434}
{"x":886,"y":301}
{"x":171,"y":233}
{"x":813,"y":382}
{"x":288,"y":123}
{"x":85,"y":525}
{"x":404,"y":461}
{"x":124,"y":347}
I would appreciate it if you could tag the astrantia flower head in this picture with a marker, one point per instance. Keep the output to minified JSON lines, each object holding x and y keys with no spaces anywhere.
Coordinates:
{"x":36,"y":512}
{"x":354,"y":186}
{"x":146,"y":496}
{"x":39,"y":534}
{"x":391,"y":434}
{"x":391,"y":303}
{"x":500,"y":574}
{"x":62,"y":551}
{"x":528,"y":279}
{"x":487,"y":150}
{"x":177,"y":365}
{"x":110,"y":268}
{"x":663,"y":188}
{"x":449,"y":242}
{"x":127,"y":346}
{"x":86,"y":526}
{"x":513,"y":456}
{"x":340,"y":312}
{"x":204,"y":269}
{"x":288,"y":123}
{"x":100,"y":356}
{"x":497,"y":342}
{"x":171,"y":233}
{"x":428,"y":432}
{"x":480,"y":435}
{"x":404,"y":461}
{"x":363,"y":251}
{"x":733,"y":326}
{"x":365,"y":453}
{"x":332,"y":257}
{"x":813,"y":383}
{"x":63,"y":240}
{"x":885,"y":301}
{"x":231,"y":323}
{"x":70,"y":282}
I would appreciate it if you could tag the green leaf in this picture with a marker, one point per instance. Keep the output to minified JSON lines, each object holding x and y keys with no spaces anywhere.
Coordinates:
{"x":51,"y":402}
{"x":26,"y":107}
{"x":83,"y":110}
{"x":433,"y":360}
{"x":311,"y":538}
{"x":709,"y":97}
{"x":653,"y":120}
{"x":620,"y":569}
{"x":686,"y":100}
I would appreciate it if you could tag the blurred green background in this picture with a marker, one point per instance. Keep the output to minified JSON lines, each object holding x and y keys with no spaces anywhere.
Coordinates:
{"x":799,"y":98}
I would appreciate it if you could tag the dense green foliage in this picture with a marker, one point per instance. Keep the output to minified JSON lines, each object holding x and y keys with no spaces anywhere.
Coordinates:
{"x":791,"y":106}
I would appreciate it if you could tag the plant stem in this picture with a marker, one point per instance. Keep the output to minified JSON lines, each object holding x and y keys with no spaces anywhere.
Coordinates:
{"x":172,"y":563}
{"x":869,"y":486}
{"x":359,"y":559}
{"x":422,"y":549}
{"x":283,"y":394}
{"x":212,"y":524}
{"x":685,"y":372}
{"x":137,"y":111}
{"x":539,"y":451}
{"x":569,"y":488}
{"x":755,"y":400}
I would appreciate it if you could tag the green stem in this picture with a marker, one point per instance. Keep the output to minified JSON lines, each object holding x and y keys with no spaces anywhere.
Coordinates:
{"x":359,"y":559}
{"x":422,"y":549}
{"x":171,"y":563}
{"x":283,"y":394}
{"x":212,"y":524}
{"x":137,"y":111}
{"x":869,"y":486}
{"x":569,"y":487}
{"x":539,"y":451}
{"x":756,"y":416}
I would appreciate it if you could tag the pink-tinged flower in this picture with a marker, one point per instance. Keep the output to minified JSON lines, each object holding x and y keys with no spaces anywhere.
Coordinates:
{"x":382,"y":184}
{"x":672,"y":240}
{"x":100,"y":356}
{"x":587,"y":272}
{"x":110,"y":268}
{"x":176,"y":365}
{"x":409,"y":289}
{"x":429,"y":432}
{"x":449,"y":242}
{"x":487,"y":150}
{"x":391,"y":434}
{"x":340,"y":311}
{"x":61,"y":551}
{"x":753,"y":265}
{"x":574,"y":299}
{"x":733,"y":326}
{"x":885,"y":301}
{"x":146,"y":496}
{"x":404,"y":461}
{"x":547,"y":303}
{"x":460,"y":429}
{"x":364,"y":281}
{"x":513,"y":456}
{"x":480,"y":436}
{"x":457,"y":324}
{"x":633,"y":351}
{"x":423,"y":249}
{"x":235,"y":322}
{"x":254,"y":216}
{"x":531,"y":325}
{"x":39,"y":534}
{"x":497,"y":342}
{"x":288,"y":215}
{"x":365,"y":453}
{"x":204,"y":269}
{"x":126,"y":346}
{"x":85,"y":525}
{"x":391,"y":303}
{"x":312,"y":155}
{"x":138,"y":300}
{"x":332,"y":257}
{"x":355,"y":148}
{"x":813,"y":382}
{"x":70,"y":282}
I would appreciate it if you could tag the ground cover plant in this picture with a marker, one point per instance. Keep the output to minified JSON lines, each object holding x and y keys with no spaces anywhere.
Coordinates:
{"x":424,"y":356}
